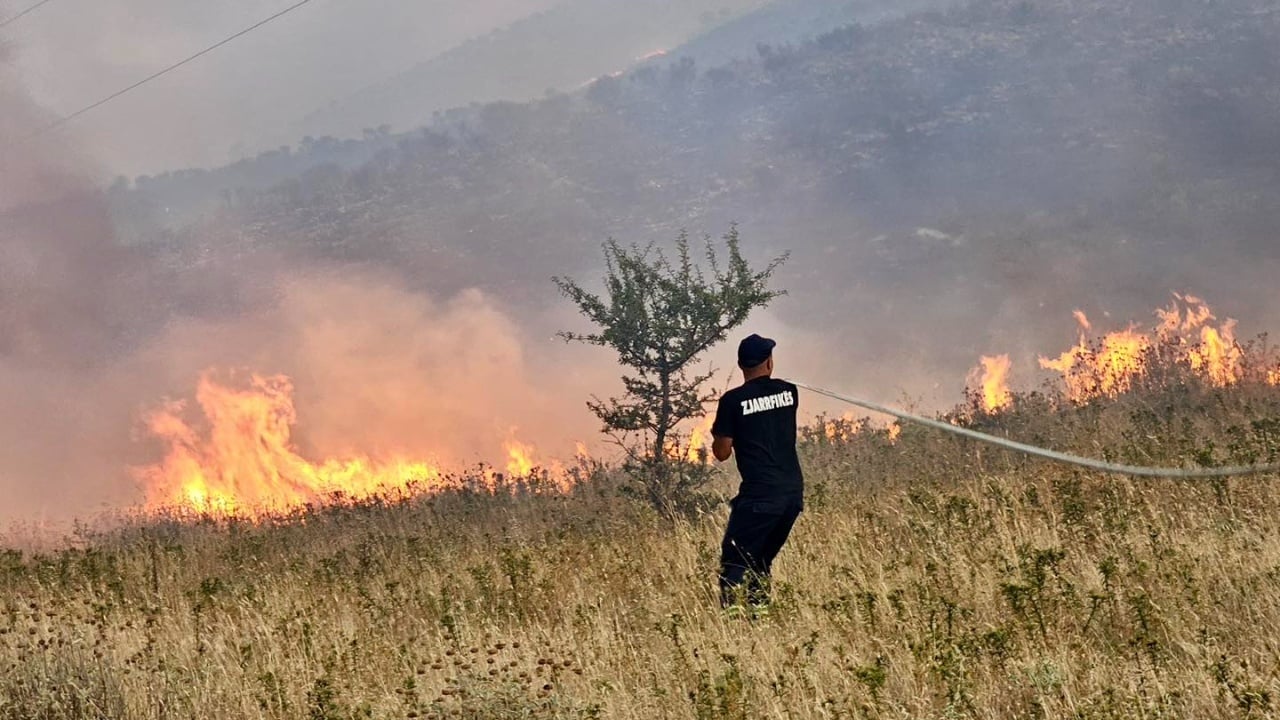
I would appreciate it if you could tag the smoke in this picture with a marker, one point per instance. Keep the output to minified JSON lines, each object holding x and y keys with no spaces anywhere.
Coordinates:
{"x":379,"y":371}
{"x":384,"y":371}
{"x":71,"y":299}
{"x":934,"y":244}
{"x":94,"y":334}
{"x":249,"y":96}
{"x":238,"y":99}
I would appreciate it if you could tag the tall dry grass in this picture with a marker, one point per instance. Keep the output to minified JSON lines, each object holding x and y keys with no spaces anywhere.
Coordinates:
{"x":929,"y":578}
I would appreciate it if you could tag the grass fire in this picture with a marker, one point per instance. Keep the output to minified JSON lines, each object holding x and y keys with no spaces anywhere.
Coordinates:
{"x":1187,"y":339}
{"x":934,"y":574}
{"x":476,"y":360}
{"x":234,"y":455}
{"x":233,"y":452}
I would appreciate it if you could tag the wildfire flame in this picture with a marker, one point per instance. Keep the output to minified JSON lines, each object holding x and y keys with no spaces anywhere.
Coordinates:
{"x":245,"y":463}
{"x":1187,"y":333}
{"x":1186,"y":328}
{"x":520,"y":458}
{"x":993,"y":377}
{"x":523,"y":464}
{"x":1105,"y":370}
{"x":698,"y":450}
{"x":842,"y":429}
{"x":1217,"y":355}
{"x":698,"y":441}
{"x":241,"y":459}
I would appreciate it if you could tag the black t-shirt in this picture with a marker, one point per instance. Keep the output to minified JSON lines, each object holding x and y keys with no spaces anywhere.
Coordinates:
{"x":760,"y":416}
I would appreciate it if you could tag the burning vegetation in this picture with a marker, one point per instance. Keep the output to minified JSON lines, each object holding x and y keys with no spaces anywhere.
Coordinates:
{"x":234,"y":452}
{"x":238,"y":457}
{"x":1067,"y":593}
{"x":1187,"y":343}
{"x":993,"y":379}
{"x":244,"y":459}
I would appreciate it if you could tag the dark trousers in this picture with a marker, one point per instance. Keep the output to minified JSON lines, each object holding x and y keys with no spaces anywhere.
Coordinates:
{"x":758,"y":528}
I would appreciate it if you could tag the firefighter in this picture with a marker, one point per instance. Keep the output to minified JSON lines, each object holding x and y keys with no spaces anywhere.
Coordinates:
{"x":757,"y":422}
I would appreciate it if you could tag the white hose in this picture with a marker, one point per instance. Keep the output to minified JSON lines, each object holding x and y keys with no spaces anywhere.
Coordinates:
{"x":1134,"y":470}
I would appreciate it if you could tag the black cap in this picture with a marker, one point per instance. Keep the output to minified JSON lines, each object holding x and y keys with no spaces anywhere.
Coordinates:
{"x":754,"y":350}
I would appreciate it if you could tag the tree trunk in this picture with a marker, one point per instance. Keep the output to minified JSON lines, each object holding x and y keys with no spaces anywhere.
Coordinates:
{"x":664,"y":419}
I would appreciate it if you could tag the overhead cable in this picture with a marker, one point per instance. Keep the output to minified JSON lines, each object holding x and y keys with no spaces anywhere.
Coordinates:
{"x":93,"y":106}
{"x":15,"y":18}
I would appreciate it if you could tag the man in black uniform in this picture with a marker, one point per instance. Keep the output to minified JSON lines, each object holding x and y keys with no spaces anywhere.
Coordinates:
{"x":758,"y":422}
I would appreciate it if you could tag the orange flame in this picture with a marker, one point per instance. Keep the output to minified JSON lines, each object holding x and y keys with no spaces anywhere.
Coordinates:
{"x":1217,"y":356}
{"x":246,"y":463}
{"x":520,"y":458}
{"x":895,"y":432}
{"x":1105,"y":370}
{"x":1186,"y":328}
{"x":843,"y":428}
{"x":523,"y":464}
{"x":699,"y":441}
{"x":993,"y":376}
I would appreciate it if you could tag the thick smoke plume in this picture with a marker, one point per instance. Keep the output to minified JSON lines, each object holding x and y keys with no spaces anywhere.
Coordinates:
{"x":382,"y":370}
{"x":93,"y":334}
{"x":71,"y":300}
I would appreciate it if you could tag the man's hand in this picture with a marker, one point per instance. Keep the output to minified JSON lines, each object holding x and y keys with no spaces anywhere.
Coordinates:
{"x":722,"y":448}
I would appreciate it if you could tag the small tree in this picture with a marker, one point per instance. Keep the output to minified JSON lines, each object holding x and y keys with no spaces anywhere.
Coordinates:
{"x":660,"y":316}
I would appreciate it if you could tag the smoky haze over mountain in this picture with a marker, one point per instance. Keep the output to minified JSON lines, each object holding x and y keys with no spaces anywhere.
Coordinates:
{"x":95,"y":333}
{"x":233,"y":101}
{"x":953,"y":182}
{"x":250,"y":96}
{"x":950,"y":184}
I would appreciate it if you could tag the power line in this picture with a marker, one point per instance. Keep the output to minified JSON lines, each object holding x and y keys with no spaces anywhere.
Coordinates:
{"x":24,"y":13}
{"x":88,"y":108}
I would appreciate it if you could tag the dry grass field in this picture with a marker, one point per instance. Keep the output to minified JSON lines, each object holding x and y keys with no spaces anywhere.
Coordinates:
{"x":929,"y":578}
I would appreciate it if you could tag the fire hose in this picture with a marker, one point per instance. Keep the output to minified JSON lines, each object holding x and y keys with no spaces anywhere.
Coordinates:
{"x":1100,"y":465}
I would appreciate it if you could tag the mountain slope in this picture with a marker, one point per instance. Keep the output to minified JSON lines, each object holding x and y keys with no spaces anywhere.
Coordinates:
{"x":792,"y":21}
{"x":1053,"y":154}
{"x":561,"y":48}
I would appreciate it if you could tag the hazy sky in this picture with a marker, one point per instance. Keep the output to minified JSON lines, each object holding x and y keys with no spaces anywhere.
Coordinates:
{"x":72,"y":52}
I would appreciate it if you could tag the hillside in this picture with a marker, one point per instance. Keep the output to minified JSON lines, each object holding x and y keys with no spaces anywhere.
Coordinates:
{"x":963,"y":178}
{"x":785,"y":22}
{"x":560,"y":48}
{"x":929,"y":577}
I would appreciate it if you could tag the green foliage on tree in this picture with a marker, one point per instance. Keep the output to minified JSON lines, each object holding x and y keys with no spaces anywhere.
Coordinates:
{"x":660,"y":313}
